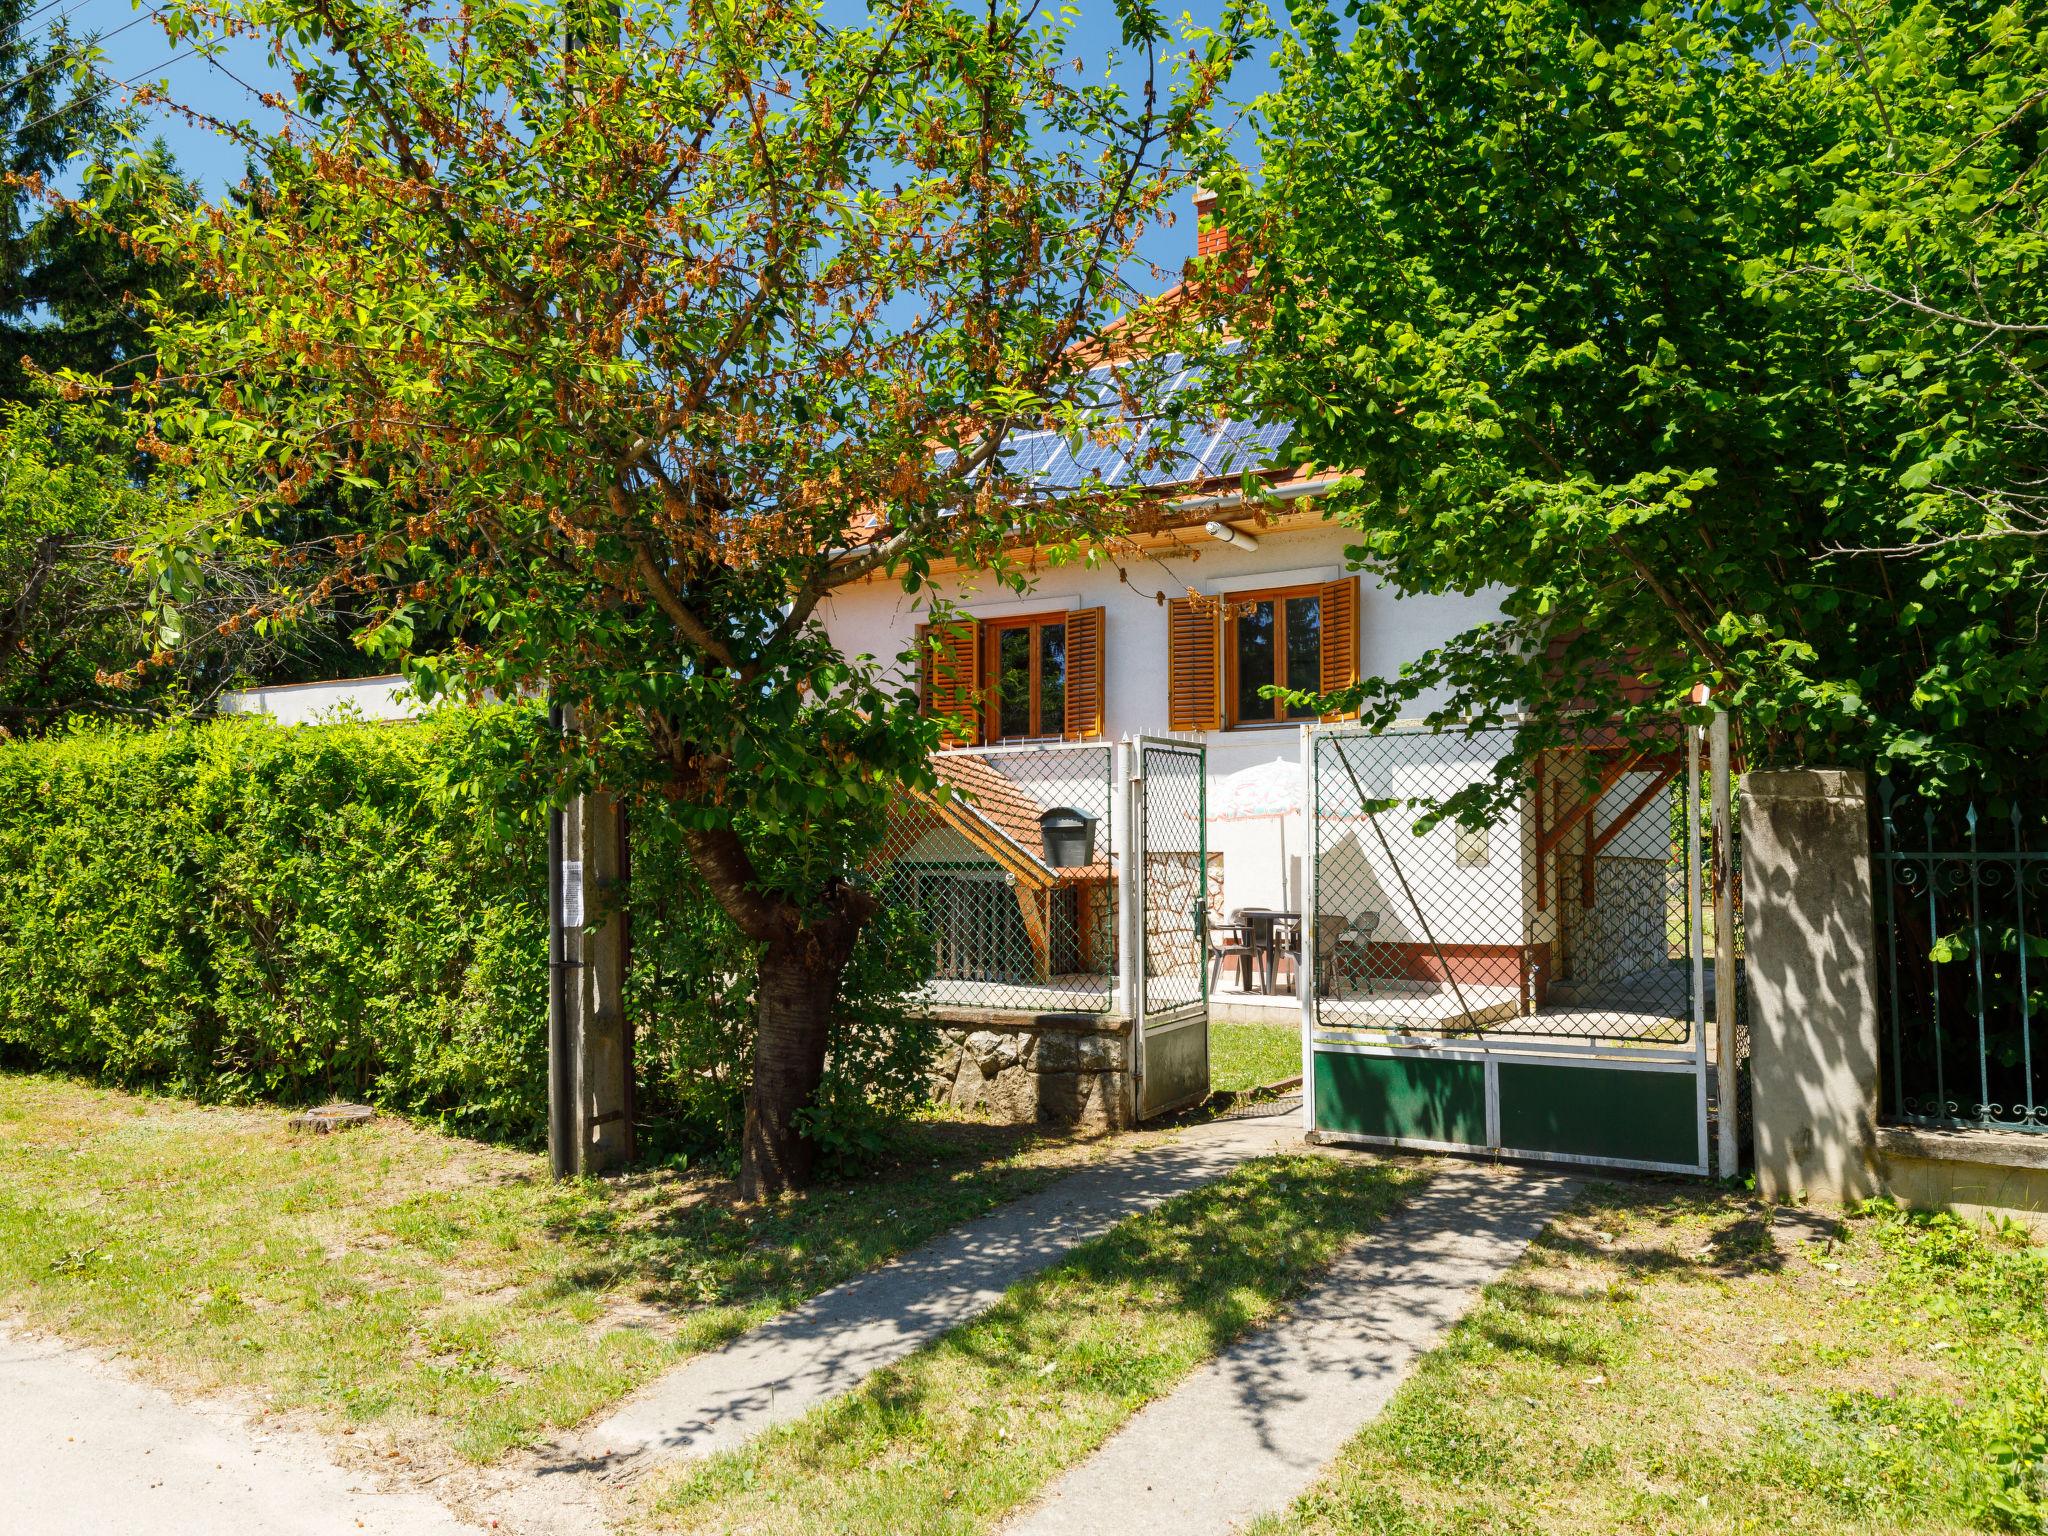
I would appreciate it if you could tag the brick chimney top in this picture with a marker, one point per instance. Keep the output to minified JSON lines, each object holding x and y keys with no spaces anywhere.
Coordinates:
{"x":1209,"y":235}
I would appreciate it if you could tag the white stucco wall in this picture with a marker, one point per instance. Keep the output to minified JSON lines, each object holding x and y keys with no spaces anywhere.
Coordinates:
{"x":357,"y":698}
{"x":1263,"y":859}
{"x":879,"y":619}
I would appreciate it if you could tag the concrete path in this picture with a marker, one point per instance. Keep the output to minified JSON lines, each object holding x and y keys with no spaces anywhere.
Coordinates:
{"x":834,"y":1342}
{"x":87,"y":1451}
{"x":1248,"y":1432}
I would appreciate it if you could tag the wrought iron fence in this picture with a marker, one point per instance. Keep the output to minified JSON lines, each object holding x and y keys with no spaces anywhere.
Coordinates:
{"x":1964,"y":890}
{"x":1010,"y":873}
{"x":1567,"y":917}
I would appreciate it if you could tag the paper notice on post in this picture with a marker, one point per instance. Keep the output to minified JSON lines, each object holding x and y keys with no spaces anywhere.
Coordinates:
{"x":572,"y":893}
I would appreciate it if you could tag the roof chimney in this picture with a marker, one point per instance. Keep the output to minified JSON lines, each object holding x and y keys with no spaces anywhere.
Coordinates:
{"x":1209,"y":236}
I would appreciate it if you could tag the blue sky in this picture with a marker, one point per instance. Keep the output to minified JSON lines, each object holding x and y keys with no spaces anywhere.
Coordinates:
{"x":142,"y":51}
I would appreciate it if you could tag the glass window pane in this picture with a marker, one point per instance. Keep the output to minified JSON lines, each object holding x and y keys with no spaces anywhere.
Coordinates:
{"x":1013,"y":682}
{"x":1304,"y":648}
{"x":1254,"y":639}
{"x":1052,"y":679}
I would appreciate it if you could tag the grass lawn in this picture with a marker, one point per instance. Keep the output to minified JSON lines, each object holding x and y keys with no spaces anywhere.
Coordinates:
{"x":974,"y":1426}
{"x":1247,"y":1055}
{"x":443,"y":1290}
{"x":1671,"y":1362}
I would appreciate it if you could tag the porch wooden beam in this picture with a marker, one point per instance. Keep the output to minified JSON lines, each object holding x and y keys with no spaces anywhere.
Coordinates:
{"x":1611,"y":775}
{"x":1037,"y":925}
{"x":1629,"y":812}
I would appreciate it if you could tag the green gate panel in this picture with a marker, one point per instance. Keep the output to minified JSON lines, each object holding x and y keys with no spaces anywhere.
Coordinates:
{"x":1646,"y":1117}
{"x":1417,"y":1098}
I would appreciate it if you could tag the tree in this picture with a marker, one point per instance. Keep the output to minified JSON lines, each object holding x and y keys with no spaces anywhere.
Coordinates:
{"x":1712,"y":333}
{"x":76,"y":618}
{"x":66,"y":279}
{"x":637,"y":350}
{"x":65,"y":500}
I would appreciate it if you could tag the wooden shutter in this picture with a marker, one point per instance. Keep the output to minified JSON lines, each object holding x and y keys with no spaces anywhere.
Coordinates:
{"x":1340,"y":638}
{"x":1194,"y":643}
{"x":949,"y":678}
{"x":1084,"y":674}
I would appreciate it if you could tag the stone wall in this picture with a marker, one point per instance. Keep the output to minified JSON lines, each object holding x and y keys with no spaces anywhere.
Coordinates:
{"x":1064,"y":1071}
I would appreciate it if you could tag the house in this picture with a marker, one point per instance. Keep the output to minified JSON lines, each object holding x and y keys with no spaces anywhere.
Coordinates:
{"x":1215,"y":599}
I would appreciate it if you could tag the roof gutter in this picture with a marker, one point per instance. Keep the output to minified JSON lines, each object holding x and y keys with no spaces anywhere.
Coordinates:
{"x":1217,"y":501}
{"x":1223,"y":499}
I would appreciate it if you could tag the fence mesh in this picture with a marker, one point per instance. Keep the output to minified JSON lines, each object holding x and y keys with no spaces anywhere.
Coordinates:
{"x":1565,"y":918}
{"x":1176,"y":876}
{"x":1010,"y":872}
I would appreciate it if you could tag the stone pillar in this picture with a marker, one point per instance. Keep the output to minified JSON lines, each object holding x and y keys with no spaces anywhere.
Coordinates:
{"x":1812,"y":972}
{"x":596,"y":1036}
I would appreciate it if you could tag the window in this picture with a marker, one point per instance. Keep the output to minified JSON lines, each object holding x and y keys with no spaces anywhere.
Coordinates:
{"x":1474,"y":845}
{"x":1026,"y":685}
{"x":1271,"y":638}
{"x":1036,"y":676}
{"x":1222,"y":649}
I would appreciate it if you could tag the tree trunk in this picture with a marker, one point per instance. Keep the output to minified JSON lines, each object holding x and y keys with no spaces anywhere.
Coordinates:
{"x":796,"y":989}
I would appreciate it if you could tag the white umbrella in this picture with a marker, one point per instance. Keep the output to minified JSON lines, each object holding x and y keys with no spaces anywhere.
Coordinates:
{"x":1263,"y":790}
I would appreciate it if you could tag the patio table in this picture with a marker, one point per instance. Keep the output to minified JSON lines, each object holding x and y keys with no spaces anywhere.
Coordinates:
{"x":1265,"y":929}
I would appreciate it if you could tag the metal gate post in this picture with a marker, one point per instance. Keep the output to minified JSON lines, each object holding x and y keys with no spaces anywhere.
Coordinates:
{"x":1726,"y":1048}
{"x":1121,"y":804}
{"x":1695,"y":938}
{"x":1312,"y":833}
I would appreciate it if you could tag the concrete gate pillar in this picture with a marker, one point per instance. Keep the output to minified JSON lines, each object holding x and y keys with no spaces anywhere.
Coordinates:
{"x":591,"y":1049}
{"x":1812,"y":971}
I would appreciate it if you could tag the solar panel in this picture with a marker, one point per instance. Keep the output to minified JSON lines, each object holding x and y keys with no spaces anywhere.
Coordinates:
{"x":1175,"y":444}
{"x":1245,"y":445}
{"x":1029,"y":455}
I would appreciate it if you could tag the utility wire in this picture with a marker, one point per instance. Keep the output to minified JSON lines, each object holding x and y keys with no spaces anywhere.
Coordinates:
{"x":76,"y":6}
{"x":112,"y":85}
{"x":83,"y":44}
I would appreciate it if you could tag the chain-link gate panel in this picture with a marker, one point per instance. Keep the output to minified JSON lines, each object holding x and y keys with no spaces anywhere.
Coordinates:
{"x":1175,"y":876}
{"x":1565,"y":918}
{"x":1009,"y":872}
{"x":1531,"y":983}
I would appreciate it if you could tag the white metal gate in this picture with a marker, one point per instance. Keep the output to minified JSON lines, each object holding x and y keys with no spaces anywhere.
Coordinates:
{"x":1536,"y":986}
{"x":1164,"y":880}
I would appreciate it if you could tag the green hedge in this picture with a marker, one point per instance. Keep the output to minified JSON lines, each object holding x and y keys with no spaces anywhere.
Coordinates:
{"x":242,"y":911}
{"x":236,"y":910}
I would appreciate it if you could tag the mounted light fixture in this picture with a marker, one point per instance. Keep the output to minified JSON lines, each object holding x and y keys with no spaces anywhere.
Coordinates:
{"x":1223,"y":533}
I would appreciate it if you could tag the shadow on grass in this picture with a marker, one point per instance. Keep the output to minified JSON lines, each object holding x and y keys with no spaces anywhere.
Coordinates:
{"x":682,"y":1242}
{"x":1059,"y":1361}
{"x":1731,"y":1241}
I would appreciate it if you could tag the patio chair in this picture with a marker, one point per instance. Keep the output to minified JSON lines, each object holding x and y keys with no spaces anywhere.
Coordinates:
{"x":1330,"y":927}
{"x":1286,"y":950}
{"x":1354,"y":947}
{"x":1258,"y":925}
{"x":1230,"y":941}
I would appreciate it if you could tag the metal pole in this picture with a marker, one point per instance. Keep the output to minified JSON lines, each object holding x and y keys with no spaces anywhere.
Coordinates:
{"x":1313,"y":839}
{"x":1696,"y":939}
{"x":1727,"y":1047}
{"x":1141,"y":920}
{"x":561,"y":1052}
{"x":1125,"y":803}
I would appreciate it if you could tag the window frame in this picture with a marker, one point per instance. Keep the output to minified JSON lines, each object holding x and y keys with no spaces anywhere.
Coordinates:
{"x":1277,"y":596}
{"x":991,"y":670}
